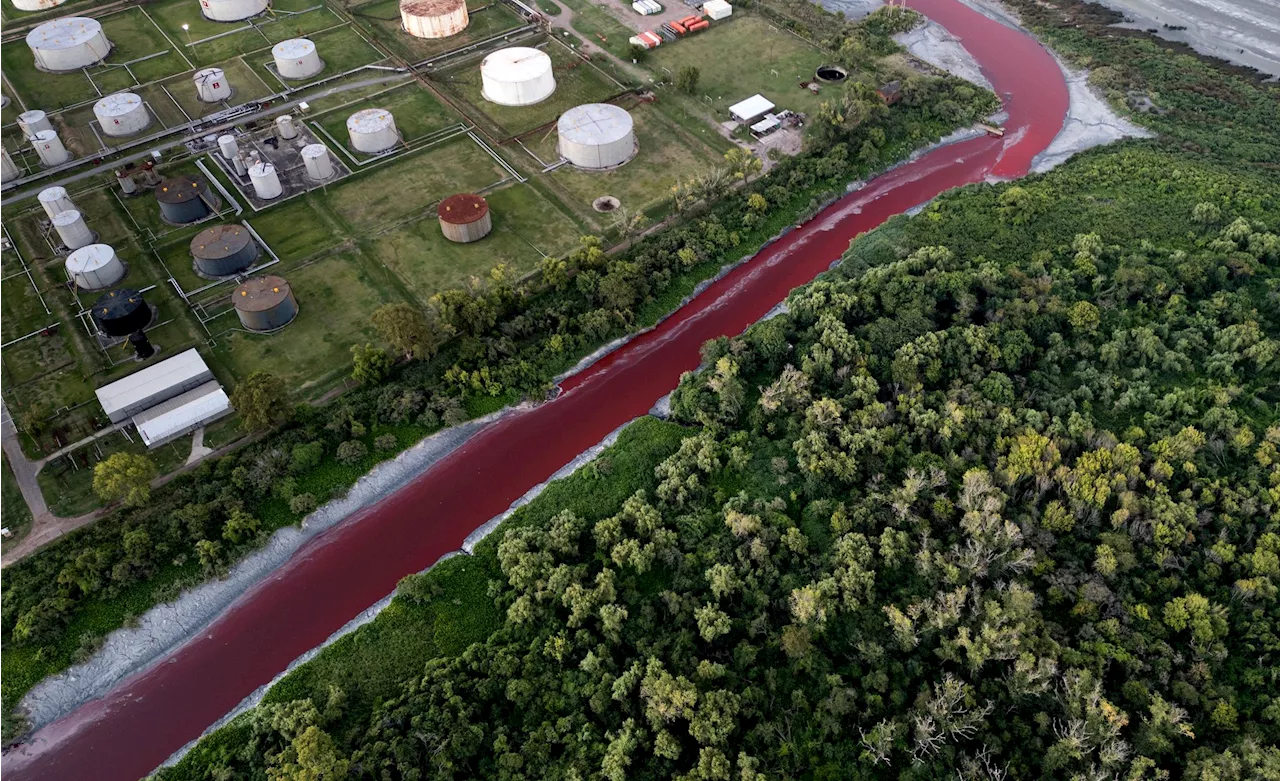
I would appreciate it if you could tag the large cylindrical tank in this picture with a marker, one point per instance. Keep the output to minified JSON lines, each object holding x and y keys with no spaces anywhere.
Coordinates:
{"x":212,"y":85}
{"x":95,"y":267}
{"x":315,"y":157}
{"x":297,"y":58}
{"x":37,"y":5}
{"x":68,"y":44}
{"x":228,"y":147}
{"x":121,"y":312}
{"x":55,"y":200}
{"x":518,"y":76}
{"x":122,"y":114}
{"x":596,"y":135}
{"x":285,"y":127}
{"x":372,"y":130}
{"x":72,"y":229}
{"x":464,"y":218}
{"x":265,"y":180}
{"x":49,"y":148}
{"x":265,"y":303}
{"x":8,"y":169}
{"x":183,"y":199}
{"x":33,"y":121}
{"x":433,"y":18}
{"x":232,"y":10}
{"x":224,"y":250}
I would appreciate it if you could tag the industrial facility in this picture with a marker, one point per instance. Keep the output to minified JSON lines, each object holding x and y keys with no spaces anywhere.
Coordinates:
{"x":8,"y":169}
{"x":94,"y":267}
{"x":297,"y":59}
{"x":212,"y":85}
{"x":265,"y":303}
{"x":433,"y":18}
{"x":32,"y":122}
{"x":464,"y":218}
{"x":315,"y":158}
{"x":372,"y":130}
{"x":68,"y":44}
{"x":49,"y":148}
{"x":223,"y":251}
{"x":232,"y":10}
{"x":167,"y":399}
{"x":54,"y":200}
{"x":72,"y":230}
{"x":121,"y":114}
{"x":518,"y":76}
{"x":124,"y":313}
{"x":265,"y":181}
{"x":596,"y":136}
{"x":36,"y":5}
{"x":185,"y":199}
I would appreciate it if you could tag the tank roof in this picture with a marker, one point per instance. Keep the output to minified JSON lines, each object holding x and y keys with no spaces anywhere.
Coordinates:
{"x":518,"y":63}
{"x":369,"y":120}
{"x":90,"y":258}
{"x":462,"y":209}
{"x":119,"y":103}
{"x":117,"y":303}
{"x":220,"y":241}
{"x":54,"y":193}
{"x":594,"y":123}
{"x":66,"y":218}
{"x":180,"y":189}
{"x":45,"y":135}
{"x":260,"y":294}
{"x":294,"y":47}
{"x":32,"y":115}
{"x":315,"y":150}
{"x":430,"y":7}
{"x":64,"y":33}
{"x":209,"y":73}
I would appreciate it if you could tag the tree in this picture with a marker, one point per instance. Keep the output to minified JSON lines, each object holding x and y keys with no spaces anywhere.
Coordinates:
{"x":407,"y":328}
{"x":262,"y":401}
{"x":743,"y":163}
{"x":370,"y":364}
{"x":687,"y":79}
{"x":637,"y":52}
{"x":124,"y":476}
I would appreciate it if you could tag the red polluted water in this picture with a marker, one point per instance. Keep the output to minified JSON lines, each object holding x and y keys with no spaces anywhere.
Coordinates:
{"x":145,"y":718}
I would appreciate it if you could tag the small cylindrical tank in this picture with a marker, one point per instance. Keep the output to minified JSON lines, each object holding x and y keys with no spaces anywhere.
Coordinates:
{"x":372,"y":130}
{"x":128,"y":185}
{"x":184,"y":199}
{"x":224,"y":250}
{"x":315,"y":157}
{"x":297,"y":58}
{"x":33,"y":121}
{"x":232,"y":10}
{"x":49,"y":148}
{"x":95,"y":267}
{"x":433,"y":18}
{"x":72,"y":229}
{"x":212,"y":85}
{"x":68,"y":44}
{"x":265,"y":180}
{"x":55,"y":200}
{"x":9,"y":170}
{"x":285,"y":128}
{"x":122,"y":114}
{"x":464,"y":218}
{"x":121,"y":312}
{"x":265,"y":303}
{"x":228,"y":147}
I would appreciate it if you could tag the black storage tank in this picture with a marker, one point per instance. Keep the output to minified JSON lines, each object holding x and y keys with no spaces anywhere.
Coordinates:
{"x":121,"y":312}
{"x":224,"y":250}
{"x":184,"y":199}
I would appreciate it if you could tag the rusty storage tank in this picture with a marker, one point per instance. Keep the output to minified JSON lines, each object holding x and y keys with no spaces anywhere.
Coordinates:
{"x":183,"y":199}
{"x":433,"y":18}
{"x":464,"y":218}
{"x":224,"y":250}
{"x":265,"y":303}
{"x":121,"y":312}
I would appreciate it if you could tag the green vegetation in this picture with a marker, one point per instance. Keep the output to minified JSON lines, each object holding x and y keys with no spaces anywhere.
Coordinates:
{"x":13,"y":509}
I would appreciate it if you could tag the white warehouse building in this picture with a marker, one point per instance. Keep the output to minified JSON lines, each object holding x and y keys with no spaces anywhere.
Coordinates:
{"x":597,"y":135}
{"x":167,"y":399}
{"x":518,"y":76}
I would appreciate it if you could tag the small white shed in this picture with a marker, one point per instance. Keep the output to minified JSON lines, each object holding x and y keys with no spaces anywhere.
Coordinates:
{"x":751,"y":109}
{"x":717,"y":9}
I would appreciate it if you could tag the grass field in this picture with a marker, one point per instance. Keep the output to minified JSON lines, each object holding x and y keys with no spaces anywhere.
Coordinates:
{"x":246,"y":82}
{"x":340,"y":48}
{"x":417,"y":114}
{"x":68,"y":487}
{"x":382,"y":20}
{"x":16,"y":515}
{"x":577,"y":82}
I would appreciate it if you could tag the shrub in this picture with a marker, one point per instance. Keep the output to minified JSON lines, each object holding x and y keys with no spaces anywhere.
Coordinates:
{"x":302,"y":504}
{"x":386,"y":442}
{"x":352,"y":451}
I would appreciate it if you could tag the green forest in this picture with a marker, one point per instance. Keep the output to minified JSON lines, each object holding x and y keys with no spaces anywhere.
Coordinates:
{"x":998,"y":497}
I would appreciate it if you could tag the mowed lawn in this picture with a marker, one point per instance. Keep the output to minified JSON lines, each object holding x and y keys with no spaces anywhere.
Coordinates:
{"x":382,"y":20}
{"x":525,"y":226}
{"x":417,"y":114}
{"x":777,"y":63}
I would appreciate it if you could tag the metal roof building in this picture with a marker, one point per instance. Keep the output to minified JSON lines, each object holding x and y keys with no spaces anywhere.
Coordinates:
{"x":159,"y":382}
{"x":182,"y":414}
{"x":751,"y":109}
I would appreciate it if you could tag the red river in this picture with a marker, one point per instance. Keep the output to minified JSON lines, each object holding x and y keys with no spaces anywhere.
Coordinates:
{"x":138,"y":724}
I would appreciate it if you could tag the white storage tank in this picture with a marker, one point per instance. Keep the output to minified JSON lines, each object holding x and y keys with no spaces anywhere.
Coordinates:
{"x":212,"y":85}
{"x":68,"y":44}
{"x":285,"y":128}
{"x":95,"y":267}
{"x":518,"y":76}
{"x":228,"y":147}
{"x":8,"y":169}
{"x":596,"y":135}
{"x":315,"y":157}
{"x":54,"y":200}
{"x":50,"y":149}
{"x":32,"y":122}
{"x":231,"y":10}
{"x":372,"y":130}
{"x":37,"y":5}
{"x":433,"y":18}
{"x":297,"y":58}
{"x":122,"y":114}
{"x":266,"y":182}
{"x":72,"y":229}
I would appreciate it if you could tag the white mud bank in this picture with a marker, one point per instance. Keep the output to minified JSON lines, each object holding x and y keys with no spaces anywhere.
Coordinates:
{"x":932,"y":43}
{"x":1245,"y":32}
{"x":1090,"y":122}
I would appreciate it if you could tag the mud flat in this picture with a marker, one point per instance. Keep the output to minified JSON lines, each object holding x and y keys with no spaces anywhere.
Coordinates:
{"x":1244,"y":32}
